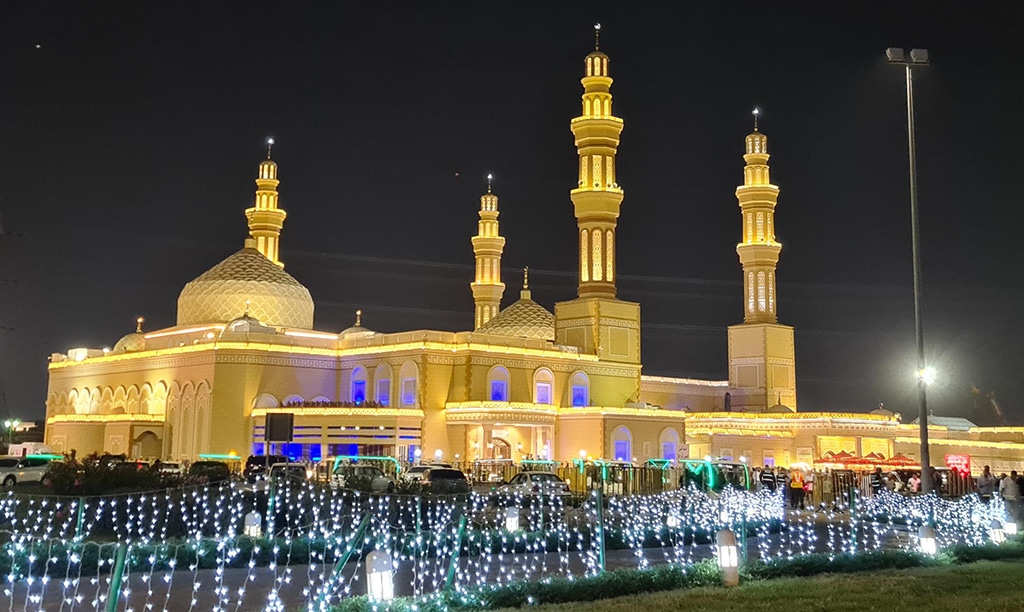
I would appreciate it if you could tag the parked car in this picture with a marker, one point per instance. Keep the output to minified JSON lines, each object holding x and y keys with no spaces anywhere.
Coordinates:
{"x":349,"y":475}
{"x":171,"y":468}
{"x":282,"y":475}
{"x":534,"y":483}
{"x":445,"y":480}
{"x":256,"y":466}
{"x":213,"y":471}
{"x":416,"y":472}
{"x":22,"y":469}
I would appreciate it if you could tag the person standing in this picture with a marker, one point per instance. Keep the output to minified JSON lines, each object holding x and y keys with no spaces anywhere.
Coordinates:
{"x":914,"y":482}
{"x":796,"y":489}
{"x":986,"y":484}
{"x":768,"y":480}
{"x":1010,"y":492}
{"x":877,"y":481}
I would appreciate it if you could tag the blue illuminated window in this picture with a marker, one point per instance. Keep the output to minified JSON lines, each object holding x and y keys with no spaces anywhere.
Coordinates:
{"x":358,"y":391}
{"x":499,"y":391}
{"x":579,"y":395}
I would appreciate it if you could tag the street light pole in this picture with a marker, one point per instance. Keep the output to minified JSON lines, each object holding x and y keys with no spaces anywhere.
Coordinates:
{"x":918,"y":57}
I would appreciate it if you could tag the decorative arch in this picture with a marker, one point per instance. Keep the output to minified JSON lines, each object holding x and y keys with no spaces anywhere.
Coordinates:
{"x":201,"y":433}
{"x":409,"y":376}
{"x":266,"y":400}
{"x":132,"y":400}
{"x":579,"y":390}
{"x":668,"y":443}
{"x":498,"y":384}
{"x":357,"y":386}
{"x":382,"y":384}
{"x":543,"y":386}
{"x":622,"y":443}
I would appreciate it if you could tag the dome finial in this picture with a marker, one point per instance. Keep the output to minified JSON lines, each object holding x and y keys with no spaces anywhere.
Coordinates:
{"x":270,"y":145}
{"x":359,"y":318}
{"x":597,"y":37}
{"x":490,"y":177}
{"x":138,"y":324}
{"x":526,"y":277}
{"x":756,"y":112}
{"x":247,"y":304}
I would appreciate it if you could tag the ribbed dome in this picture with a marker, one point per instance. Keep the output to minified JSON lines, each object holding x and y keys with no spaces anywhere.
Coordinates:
{"x":132,"y":343}
{"x":247,"y":325}
{"x":246,"y":281}
{"x":523,"y":319}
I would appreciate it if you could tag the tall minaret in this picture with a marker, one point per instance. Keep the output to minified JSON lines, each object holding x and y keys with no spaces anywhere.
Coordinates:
{"x":487,"y":247}
{"x":759,"y":252}
{"x":265,"y":218}
{"x":762,"y":364}
{"x":597,"y":196}
{"x":597,"y":322}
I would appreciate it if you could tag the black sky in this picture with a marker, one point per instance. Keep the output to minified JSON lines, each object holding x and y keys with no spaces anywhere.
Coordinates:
{"x":129,"y":141}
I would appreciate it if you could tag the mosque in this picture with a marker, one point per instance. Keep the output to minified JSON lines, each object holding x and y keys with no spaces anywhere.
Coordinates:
{"x":525,"y":382}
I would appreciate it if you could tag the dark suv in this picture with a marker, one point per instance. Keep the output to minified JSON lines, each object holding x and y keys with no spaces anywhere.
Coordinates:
{"x":256,"y":466}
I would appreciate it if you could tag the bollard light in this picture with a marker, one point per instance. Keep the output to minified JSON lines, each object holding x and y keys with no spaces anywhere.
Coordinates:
{"x":512,"y":519}
{"x":379,"y":579}
{"x":728,"y":557}
{"x":996,"y":532}
{"x":253,"y":524}
{"x":672,"y":521}
{"x":926,"y":537}
{"x":1010,"y":527}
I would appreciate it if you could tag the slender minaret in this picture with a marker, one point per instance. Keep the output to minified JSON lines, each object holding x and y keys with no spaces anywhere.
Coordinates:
{"x":597,"y":196}
{"x":596,"y":321}
{"x":487,"y":247}
{"x":265,"y":218}
{"x":758,"y":251}
{"x":762,"y":363}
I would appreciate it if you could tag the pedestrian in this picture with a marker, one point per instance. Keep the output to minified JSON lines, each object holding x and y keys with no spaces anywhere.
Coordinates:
{"x":1010,"y":492}
{"x":877,"y":481}
{"x":796,"y":489}
{"x":986,"y":484}
{"x":914,"y":483}
{"x":808,"y":496}
{"x":768,"y":480}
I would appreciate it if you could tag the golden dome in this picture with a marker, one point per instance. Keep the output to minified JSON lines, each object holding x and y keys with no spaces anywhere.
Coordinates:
{"x":246,"y":283}
{"x":523,"y":319}
{"x":132,"y":343}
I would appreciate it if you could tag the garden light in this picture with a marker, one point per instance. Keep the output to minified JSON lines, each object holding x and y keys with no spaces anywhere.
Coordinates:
{"x":512,"y":518}
{"x":728,"y":557}
{"x":253,"y":524}
{"x":926,"y":537}
{"x":379,"y":579}
{"x":1010,"y":528}
{"x":996,"y":532}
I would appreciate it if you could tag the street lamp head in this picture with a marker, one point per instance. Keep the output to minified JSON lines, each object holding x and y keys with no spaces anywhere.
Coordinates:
{"x":895,"y":55}
{"x":919,"y":56}
{"x":927,"y":375}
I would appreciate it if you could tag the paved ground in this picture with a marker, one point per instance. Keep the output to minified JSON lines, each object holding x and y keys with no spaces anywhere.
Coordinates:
{"x":201,"y":590}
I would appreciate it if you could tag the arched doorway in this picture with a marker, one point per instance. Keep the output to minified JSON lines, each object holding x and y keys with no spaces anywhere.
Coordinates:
{"x":501,"y":450}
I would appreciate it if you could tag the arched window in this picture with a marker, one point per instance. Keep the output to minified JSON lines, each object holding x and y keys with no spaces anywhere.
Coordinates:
{"x":408,"y":375}
{"x":543,"y":386}
{"x":497,"y":384}
{"x":622,"y":443}
{"x":358,"y":391}
{"x":668,"y":441}
{"x":580,"y":389}
{"x":382,"y":384}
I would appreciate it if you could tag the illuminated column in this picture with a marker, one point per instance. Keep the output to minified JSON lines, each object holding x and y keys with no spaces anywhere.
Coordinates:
{"x":487,"y":247}
{"x":597,"y":197}
{"x":758,"y":250}
{"x":265,"y":218}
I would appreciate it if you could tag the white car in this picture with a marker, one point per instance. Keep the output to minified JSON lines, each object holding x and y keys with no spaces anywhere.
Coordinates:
{"x":535,"y":483}
{"x":22,"y":469}
{"x":416,"y":472}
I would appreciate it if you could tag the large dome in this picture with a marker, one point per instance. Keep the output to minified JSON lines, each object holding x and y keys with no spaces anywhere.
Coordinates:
{"x":523,"y":319}
{"x":246,"y":283}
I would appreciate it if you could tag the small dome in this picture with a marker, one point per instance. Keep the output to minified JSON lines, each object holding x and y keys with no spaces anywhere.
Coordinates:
{"x":779,"y":408}
{"x":357,"y":330}
{"x":246,"y":324}
{"x":246,"y":282}
{"x":132,"y":343}
{"x":523,"y":319}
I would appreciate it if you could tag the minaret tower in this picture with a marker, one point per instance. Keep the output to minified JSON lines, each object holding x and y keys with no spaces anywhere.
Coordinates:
{"x":487,"y":247}
{"x":761,"y":357}
{"x":597,"y":196}
{"x":597,"y":322}
{"x":265,"y":218}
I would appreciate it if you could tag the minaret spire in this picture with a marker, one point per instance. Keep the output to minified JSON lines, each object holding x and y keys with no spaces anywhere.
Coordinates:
{"x":488,"y":246}
{"x":597,"y":196}
{"x":758,"y":252}
{"x":525,"y":293}
{"x":597,"y":37}
{"x":265,"y":218}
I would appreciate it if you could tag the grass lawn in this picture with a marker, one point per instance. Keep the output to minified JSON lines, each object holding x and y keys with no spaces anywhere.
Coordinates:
{"x":976,"y":587}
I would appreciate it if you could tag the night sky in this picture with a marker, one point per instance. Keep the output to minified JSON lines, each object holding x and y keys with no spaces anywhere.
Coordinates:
{"x":130,"y":134}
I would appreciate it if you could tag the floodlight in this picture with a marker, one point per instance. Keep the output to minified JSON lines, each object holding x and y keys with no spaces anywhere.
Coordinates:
{"x":894,"y":55}
{"x":919,"y":56}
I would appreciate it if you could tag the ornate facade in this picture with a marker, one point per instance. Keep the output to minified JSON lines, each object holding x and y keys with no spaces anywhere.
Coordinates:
{"x":526,"y":382}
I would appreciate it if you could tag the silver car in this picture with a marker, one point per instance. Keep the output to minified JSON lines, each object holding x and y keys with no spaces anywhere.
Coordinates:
{"x":22,"y":469}
{"x":379,"y":483}
{"x":416,"y":472}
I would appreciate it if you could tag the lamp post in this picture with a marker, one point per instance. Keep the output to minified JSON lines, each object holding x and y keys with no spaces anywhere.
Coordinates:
{"x":916,"y":58}
{"x":10,"y":424}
